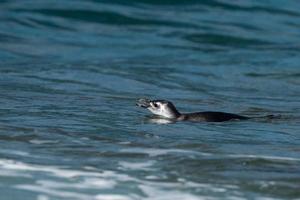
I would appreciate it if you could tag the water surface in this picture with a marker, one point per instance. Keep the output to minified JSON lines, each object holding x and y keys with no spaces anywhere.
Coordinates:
{"x":71,"y":72}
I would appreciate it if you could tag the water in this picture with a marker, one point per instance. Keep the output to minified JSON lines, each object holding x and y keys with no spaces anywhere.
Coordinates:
{"x":71,"y":72}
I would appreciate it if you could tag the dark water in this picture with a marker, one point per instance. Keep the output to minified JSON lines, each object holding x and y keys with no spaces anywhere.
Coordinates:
{"x":72,"y":70}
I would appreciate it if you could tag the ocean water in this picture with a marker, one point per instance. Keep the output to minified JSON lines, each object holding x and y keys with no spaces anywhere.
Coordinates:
{"x":71,"y":72}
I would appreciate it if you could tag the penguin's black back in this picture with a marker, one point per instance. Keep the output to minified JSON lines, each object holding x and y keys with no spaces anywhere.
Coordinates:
{"x":213,"y":116}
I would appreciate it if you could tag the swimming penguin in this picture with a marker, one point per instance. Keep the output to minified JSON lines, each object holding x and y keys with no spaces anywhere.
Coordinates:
{"x":167,"y":110}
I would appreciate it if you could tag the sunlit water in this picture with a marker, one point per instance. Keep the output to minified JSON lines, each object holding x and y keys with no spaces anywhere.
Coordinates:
{"x":71,"y":72}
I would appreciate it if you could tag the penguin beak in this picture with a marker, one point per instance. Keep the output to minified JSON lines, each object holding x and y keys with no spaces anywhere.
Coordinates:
{"x":144,"y":103}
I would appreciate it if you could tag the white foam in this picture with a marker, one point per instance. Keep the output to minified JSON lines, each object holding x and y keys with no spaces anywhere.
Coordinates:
{"x":157,"y":152}
{"x":42,"y":197}
{"x":137,"y":165}
{"x":14,"y":152}
{"x":87,"y":183}
{"x":11,"y":173}
{"x":160,"y":194}
{"x":43,"y":141}
{"x":64,"y":173}
{"x":60,"y":182}
{"x":151,"y":177}
{"x":111,"y":197}
{"x":53,"y":192}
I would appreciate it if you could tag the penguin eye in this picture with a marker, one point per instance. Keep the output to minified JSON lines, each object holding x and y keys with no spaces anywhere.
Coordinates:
{"x":155,"y":105}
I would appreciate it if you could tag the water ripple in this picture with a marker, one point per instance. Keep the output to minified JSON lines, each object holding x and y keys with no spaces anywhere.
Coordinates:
{"x":71,"y":73}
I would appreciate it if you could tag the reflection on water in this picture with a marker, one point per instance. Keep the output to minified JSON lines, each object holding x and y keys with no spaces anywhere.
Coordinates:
{"x":71,"y":73}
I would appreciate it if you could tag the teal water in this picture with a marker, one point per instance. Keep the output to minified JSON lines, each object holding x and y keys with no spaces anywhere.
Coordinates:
{"x":71,"y":71}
